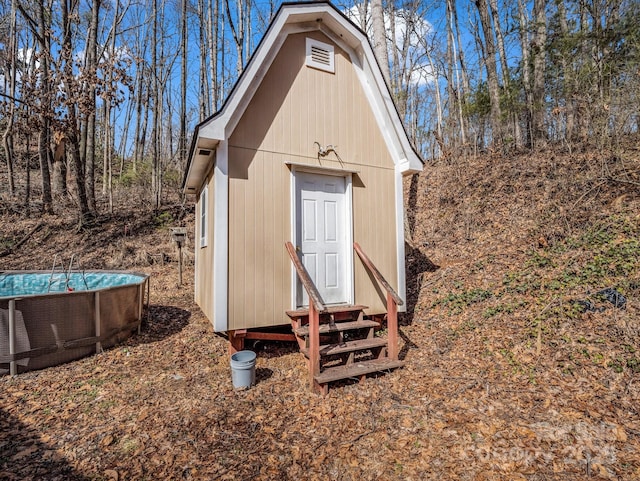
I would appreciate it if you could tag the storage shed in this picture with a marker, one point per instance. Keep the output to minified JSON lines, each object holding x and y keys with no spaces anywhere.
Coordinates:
{"x":308,"y":149}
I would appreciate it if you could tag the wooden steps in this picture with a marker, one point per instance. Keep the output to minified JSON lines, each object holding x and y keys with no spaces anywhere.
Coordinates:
{"x":357,"y":370}
{"x":338,"y":327}
{"x":350,"y":348}
{"x":299,"y":313}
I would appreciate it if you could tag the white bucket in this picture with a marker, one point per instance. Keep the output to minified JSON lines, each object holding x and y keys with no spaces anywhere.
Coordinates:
{"x":243,"y":369}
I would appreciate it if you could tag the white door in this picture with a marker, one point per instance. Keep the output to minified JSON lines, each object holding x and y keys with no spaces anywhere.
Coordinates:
{"x":322,"y":235}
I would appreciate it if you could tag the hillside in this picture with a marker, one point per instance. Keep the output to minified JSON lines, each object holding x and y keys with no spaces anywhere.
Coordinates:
{"x":522,"y":358}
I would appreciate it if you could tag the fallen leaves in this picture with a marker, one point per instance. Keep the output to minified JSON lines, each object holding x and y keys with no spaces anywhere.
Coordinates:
{"x":475,"y":401}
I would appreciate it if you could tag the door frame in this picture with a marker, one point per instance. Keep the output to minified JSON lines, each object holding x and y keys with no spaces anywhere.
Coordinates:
{"x":348,"y":178}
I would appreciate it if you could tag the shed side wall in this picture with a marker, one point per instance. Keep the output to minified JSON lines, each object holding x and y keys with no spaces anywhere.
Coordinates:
{"x":204,"y":255}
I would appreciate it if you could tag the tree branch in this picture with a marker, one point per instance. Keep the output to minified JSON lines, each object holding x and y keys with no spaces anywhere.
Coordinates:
{"x":32,"y":23}
{"x":10,"y":97}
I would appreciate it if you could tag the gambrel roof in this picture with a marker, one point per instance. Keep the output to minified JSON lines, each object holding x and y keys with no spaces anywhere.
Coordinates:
{"x":290,"y":19}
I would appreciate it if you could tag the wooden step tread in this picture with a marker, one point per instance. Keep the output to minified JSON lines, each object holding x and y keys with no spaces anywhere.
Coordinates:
{"x":356,"y":369}
{"x":338,"y":327}
{"x":349,"y":346}
{"x":298,"y":313}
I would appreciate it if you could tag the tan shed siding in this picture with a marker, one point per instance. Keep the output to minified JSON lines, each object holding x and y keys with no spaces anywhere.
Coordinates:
{"x":204,"y":255}
{"x":294,"y":107}
{"x":259,"y":271}
{"x":374,"y":229}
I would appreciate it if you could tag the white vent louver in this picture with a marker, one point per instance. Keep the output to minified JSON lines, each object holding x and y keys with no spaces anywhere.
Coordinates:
{"x":320,"y":55}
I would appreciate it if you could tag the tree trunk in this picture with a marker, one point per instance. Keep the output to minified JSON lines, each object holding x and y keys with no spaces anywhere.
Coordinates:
{"x":492,"y":71}
{"x":44,"y":20}
{"x":204,"y":100}
{"x":247,"y":32}
{"x":506,"y":77}
{"x":526,"y":72}
{"x":182,"y":139}
{"x":380,"y":39}
{"x":213,"y":22}
{"x":27,"y":163}
{"x":59,"y":165}
{"x":156,"y":65}
{"x":140,"y":137}
{"x":585,"y":92}
{"x":452,"y":94}
{"x":68,"y":79}
{"x":83,"y":205}
{"x":43,"y":156}
{"x":237,"y":31}
{"x":462,"y":84}
{"x":89,"y":133}
{"x":466,"y":87}
{"x":568,"y":87}
{"x":7,"y":136}
{"x":495,"y":18}
{"x":436,"y":86}
{"x":539,"y":60}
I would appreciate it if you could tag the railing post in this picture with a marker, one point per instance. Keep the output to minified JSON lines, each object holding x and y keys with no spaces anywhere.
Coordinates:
{"x":392,"y":327}
{"x":13,"y":367}
{"x":316,"y":306}
{"x":236,"y":340}
{"x":140,"y":306}
{"x":393,"y":301}
{"x":96,"y":306}
{"x":314,"y":344}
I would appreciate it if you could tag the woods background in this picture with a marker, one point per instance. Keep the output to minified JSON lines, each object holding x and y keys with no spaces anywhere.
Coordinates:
{"x":100,"y":94}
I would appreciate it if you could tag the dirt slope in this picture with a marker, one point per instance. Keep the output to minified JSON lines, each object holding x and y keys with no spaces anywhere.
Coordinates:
{"x":516,"y":368}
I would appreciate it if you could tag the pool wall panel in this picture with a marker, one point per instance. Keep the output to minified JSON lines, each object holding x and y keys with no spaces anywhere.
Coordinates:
{"x":60,"y":319}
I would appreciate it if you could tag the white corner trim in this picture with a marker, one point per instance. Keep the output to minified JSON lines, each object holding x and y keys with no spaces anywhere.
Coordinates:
{"x":196,"y":260}
{"x":293,"y":239}
{"x":351,"y":282}
{"x":402,"y":281}
{"x":220,"y":272}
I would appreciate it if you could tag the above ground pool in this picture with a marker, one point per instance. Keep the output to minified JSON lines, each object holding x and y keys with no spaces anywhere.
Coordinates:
{"x":48,"y":318}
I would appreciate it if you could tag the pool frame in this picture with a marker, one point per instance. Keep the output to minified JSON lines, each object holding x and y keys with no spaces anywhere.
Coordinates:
{"x":64,"y":326}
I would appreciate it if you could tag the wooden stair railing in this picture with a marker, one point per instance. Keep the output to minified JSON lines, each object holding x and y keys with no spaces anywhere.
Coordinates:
{"x":393,"y":301}
{"x":316,"y":307}
{"x":350,"y":348}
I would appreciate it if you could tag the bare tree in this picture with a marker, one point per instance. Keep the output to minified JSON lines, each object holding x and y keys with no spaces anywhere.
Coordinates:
{"x":506,"y":76}
{"x":489,"y":59}
{"x":88,"y":150}
{"x":539,"y":64}
{"x":11,"y":72}
{"x":455,"y":91}
{"x":70,"y":125}
{"x":156,"y":137}
{"x":43,"y":34}
{"x":213,"y":22}
{"x":526,"y":73}
{"x":237,"y":31}
{"x":182,"y":135}
{"x":380,"y":38}
{"x":204,"y":100}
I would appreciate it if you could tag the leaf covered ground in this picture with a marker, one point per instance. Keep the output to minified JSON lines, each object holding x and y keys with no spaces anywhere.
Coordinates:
{"x":518,"y":366}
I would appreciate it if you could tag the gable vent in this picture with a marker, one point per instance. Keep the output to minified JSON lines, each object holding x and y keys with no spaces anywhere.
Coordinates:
{"x":320,"y":55}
